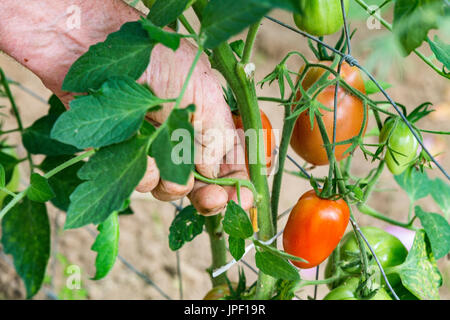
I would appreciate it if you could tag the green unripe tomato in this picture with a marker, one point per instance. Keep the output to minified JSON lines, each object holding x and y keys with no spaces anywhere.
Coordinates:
{"x":320,"y":17}
{"x":347,"y":291}
{"x":149,"y":3}
{"x":402,"y":146}
{"x":13,"y":183}
{"x":389,"y":250}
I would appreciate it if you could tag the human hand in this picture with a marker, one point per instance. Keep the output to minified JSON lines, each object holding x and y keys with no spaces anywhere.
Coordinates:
{"x":37,"y":36}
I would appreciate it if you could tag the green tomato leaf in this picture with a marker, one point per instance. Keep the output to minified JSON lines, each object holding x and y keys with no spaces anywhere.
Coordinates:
{"x":276,"y":266}
{"x":185,"y":227}
{"x":277,"y":252}
{"x":2,"y":176}
{"x":441,"y":51}
{"x":166,"y":11}
{"x":237,"y":247}
{"x":123,"y":53}
{"x":158,"y":35}
{"x":371,"y":87}
{"x":238,"y":47}
{"x":64,"y":182}
{"x":110,"y":115}
{"x":36,"y":138}
{"x":438,"y":231}
{"x":111,"y":174}
{"x":9,"y":162}
{"x":413,"y":19}
{"x":223,"y":19}
{"x":106,"y":245}
{"x":416,"y":184}
{"x":39,"y":190}
{"x":26,"y":236}
{"x":173,"y":147}
{"x":56,"y":106}
{"x":441,"y":195}
{"x":236,"y":222}
{"x":419,"y":273}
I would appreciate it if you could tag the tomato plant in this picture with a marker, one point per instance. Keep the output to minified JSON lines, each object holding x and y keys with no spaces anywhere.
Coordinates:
{"x":144,"y":97}
{"x":320,"y":17}
{"x":307,"y":139}
{"x":389,"y":250}
{"x":314,"y":228}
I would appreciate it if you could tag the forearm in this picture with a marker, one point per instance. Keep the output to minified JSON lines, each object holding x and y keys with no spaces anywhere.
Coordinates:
{"x":45,"y":37}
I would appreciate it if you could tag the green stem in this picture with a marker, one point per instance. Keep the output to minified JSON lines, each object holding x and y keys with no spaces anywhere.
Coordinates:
{"x":304,"y":283}
{"x":68,"y":163}
{"x":218,"y":247}
{"x":224,"y":60}
{"x":10,"y":131}
{"x":435,"y":132}
{"x":12,"y":203}
{"x":5,"y":190}
{"x":186,"y":24}
{"x":48,"y":175}
{"x":365,"y":209}
{"x":188,"y":77}
{"x":372,"y":183}
{"x":270,"y":99}
{"x":288,"y":128}
{"x":388,"y":26}
{"x":249,"y":42}
{"x":228,"y":182}
{"x":8,"y":92}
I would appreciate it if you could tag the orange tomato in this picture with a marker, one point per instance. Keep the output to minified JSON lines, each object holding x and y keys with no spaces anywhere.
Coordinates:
{"x":269,"y":137}
{"x":307,"y":142}
{"x":314,"y":228}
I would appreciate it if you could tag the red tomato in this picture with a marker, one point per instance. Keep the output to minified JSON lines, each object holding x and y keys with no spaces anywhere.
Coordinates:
{"x":314,"y":228}
{"x":308,"y":143}
{"x":269,"y":137}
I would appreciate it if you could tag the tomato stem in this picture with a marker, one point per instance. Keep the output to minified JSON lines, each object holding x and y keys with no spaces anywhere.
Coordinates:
{"x":218,"y":247}
{"x":189,"y":75}
{"x":10,"y":96}
{"x":249,"y":42}
{"x":367,"y":210}
{"x":230,"y":182}
{"x":244,"y":89}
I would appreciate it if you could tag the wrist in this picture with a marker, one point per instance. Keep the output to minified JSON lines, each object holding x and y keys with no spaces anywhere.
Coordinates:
{"x":47,"y":36}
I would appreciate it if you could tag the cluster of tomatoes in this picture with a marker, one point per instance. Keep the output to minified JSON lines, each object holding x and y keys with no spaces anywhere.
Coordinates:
{"x":316,"y":225}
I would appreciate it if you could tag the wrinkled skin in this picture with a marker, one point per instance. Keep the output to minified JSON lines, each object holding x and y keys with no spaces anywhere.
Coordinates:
{"x":269,"y":137}
{"x":36,"y":36}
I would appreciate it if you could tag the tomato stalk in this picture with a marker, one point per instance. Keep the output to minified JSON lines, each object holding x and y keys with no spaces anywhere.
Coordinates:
{"x":288,"y":128}
{"x":5,"y":83}
{"x":48,"y":175}
{"x":243,"y":87}
{"x":343,"y":190}
{"x":214,"y":228}
{"x":388,"y":26}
